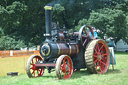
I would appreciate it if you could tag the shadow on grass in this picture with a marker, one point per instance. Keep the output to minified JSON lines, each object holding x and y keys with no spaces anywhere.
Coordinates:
{"x":80,"y":73}
{"x":76,"y":74}
{"x":49,"y":76}
{"x":115,"y":71}
{"x":121,"y":53}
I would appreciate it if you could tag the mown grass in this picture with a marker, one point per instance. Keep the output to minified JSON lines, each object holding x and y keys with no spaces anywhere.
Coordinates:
{"x":118,"y":76}
{"x":13,"y":64}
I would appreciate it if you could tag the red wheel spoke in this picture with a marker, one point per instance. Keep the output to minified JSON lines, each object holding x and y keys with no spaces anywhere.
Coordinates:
{"x":32,"y":64}
{"x":101,"y":47}
{"x":67,"y":73}
{"x":64,"y":74}
{"x":34,"y":73}
{"x":104,"y":54}
{"x":95,"y":50}
{"x":61,"y":68}
{"x":31,"y":68}
{"x":95,"y":60}
{"x":32,"y":61}
{"x":64,"y":61}
{"x":101,"y":52}
{"x":69,"y":70}
{"x":39,"y":71}
{"x":95,"y":56}
{"x":68,"y":65}
{"x":102,"y":62}
{"x":36,"y":59}
{"x":100,"y":69}
{"x":97,"y":47}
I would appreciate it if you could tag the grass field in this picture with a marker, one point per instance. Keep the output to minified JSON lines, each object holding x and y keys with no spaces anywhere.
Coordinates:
{"x":13,"y":64}
{"x":119,"y":76}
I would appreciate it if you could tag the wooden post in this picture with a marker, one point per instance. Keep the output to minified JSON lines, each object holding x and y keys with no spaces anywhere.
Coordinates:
{"x":112,"y":58}
{"x":11,"y":53}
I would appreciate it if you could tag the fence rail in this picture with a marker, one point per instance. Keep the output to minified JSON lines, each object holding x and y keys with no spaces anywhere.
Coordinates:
{"x":10,"y":53}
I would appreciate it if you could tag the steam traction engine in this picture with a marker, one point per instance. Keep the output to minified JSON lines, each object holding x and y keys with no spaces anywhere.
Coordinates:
{"x":67,"y":52}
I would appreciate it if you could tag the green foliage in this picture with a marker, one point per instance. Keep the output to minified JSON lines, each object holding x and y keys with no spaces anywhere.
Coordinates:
{"x":25,"y":19}
{"x":58,"y":14}
{"x":81,"y":23}
{"x":110,"y":22}
{"x":127,"y":19}
{"x":123,"y":7}
{"x":8,"y":43}
{"x":58,"y":9}
{"x":1,"y":32}
{"x":12,"y":16}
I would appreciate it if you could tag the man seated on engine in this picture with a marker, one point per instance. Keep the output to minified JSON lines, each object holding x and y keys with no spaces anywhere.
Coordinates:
{"x":94,"y":33}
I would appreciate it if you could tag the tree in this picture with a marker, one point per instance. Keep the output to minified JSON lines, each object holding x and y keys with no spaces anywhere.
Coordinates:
{"x":73,"y":10}
{"x":58,"y":14}
{"x":80,"y":24}
{"x":123,"y":7}
{"x":25,"y":19}
{"x":110,"y":22}
{"x":8,"y":43}
{"x":1,"y":32}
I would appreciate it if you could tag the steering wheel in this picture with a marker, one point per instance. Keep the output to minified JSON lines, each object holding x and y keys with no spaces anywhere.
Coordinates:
{"x":84,"y":34}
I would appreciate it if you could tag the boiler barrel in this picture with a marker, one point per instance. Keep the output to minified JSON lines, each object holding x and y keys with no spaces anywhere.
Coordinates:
{"x":71,"y":49}
{"x":54,"y":50}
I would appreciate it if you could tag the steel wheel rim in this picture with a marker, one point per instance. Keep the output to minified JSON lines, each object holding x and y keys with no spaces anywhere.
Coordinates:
{"x":100,"y":57}
{"x":36,"y":72}
{"x":66,"y":68}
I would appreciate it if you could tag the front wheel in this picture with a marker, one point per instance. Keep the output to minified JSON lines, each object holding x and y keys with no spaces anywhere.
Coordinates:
{"x":31,"y":69}
{"x":64,"y":67}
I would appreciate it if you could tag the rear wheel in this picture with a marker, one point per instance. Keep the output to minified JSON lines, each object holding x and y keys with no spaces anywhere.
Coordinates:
{"x":97,"y":56}
{"x":64,"y":67}
{"x":31,"y":69}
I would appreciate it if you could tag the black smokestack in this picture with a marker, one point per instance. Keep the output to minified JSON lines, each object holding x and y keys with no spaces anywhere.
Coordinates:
{"x":48,"y":22}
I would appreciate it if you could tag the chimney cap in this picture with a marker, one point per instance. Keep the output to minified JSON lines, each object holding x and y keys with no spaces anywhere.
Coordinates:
{"x":48,"y":8}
